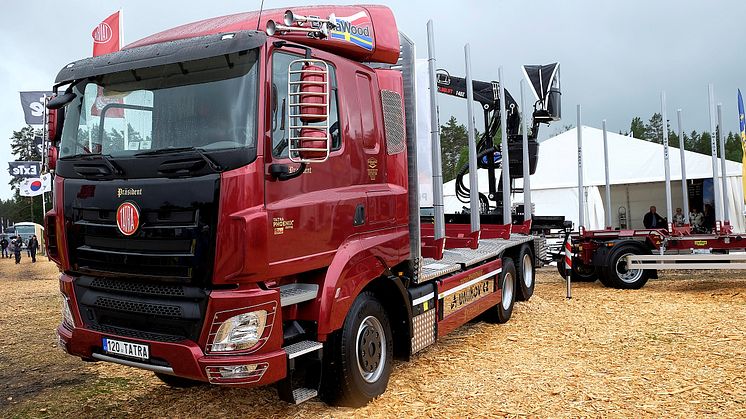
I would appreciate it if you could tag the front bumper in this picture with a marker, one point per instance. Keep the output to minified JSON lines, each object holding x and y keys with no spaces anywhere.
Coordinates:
{"x":267,"y":363}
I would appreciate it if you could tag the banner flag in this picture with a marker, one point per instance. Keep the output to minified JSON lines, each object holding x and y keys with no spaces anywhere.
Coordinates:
{"x":24,"y":169}
{"x":33,"y":106}
{"x":742,"y":126}
{"x":36,"y":186}
{"x":107,"y":35}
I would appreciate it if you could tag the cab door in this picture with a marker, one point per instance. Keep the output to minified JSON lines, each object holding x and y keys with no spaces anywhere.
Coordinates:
{"x":310,"y":215}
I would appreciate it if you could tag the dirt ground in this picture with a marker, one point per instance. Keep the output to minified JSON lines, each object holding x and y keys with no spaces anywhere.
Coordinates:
{"x":675,"y":348}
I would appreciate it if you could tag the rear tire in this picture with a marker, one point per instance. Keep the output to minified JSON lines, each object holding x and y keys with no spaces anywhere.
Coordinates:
{"x":502,"y":311}
{"x":584,"y":274}
{"x":616,"y":273}
{"x":361,"y":361}
{"x":525,"y":275}
{"x":178,"y":382}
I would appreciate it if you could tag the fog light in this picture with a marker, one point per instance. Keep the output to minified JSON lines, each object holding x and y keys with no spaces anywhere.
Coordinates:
{"x":240,"y":332}
{"x":236,"y":371}
{"x":67,"y":315}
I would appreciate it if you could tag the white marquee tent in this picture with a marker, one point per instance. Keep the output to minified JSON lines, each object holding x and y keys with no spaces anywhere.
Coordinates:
{"x":637,"y":178}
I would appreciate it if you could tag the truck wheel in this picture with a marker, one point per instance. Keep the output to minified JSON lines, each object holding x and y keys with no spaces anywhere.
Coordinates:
{"x":616,"y":273}
{"x":362,"y":365}
{"x":582,"y":272}
{"x":525,"y":278}
{"x":501,"y":313}
{"x":177,"y":382}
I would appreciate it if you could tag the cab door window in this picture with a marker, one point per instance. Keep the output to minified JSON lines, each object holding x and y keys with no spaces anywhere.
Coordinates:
{"x":279,"y":100}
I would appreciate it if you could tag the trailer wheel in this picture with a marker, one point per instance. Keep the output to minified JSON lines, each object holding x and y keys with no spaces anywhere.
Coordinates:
{"x":580,"y":272}
{"x":360,"y":369}
{"x":177,"y":382}
{"x":616,"y":273}
{"x":501,"y":312}
{"x":525,"y":277}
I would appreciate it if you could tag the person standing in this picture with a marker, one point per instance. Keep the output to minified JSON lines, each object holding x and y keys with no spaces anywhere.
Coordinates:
{"x":4,"y":245}
{"x":653,"y":220}
{"x":697,"y":220}
{"x":678,"y":218}
{"x":17,"y":243}
{"x":33,"y":246}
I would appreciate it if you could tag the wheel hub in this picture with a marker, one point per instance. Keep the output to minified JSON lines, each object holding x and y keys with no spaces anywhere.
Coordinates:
{"x":507,"y":294}
{"x":627,"y":275}
{"x":528,"y":271}
{"x":370,"y":349}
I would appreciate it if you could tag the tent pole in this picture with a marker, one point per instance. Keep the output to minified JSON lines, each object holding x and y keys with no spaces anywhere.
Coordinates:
{"x":527,"y":206}
{"x":435,"y":138}
{"x":608,"y":183}
{"x":684,"y":187}
{"x":721,"y":139}
{"x":714,"y":151}
{"x":666,"y":165}
{"x":581,"y":198}
{"x":504,"y":157}
{"x":473,"y":179}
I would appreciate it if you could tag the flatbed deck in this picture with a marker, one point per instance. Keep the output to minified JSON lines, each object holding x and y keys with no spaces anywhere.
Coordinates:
{"x":455,"y":260}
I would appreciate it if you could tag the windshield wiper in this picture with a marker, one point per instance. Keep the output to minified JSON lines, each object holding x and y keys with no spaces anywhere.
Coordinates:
{"x":209,"y":160}
{"x":113,"y":167}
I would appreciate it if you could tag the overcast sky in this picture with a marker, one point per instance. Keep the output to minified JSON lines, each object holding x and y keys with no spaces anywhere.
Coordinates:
{"x":616,"y":57}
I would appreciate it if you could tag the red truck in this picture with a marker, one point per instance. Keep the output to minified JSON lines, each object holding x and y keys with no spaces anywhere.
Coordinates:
{"x":240,"y":207}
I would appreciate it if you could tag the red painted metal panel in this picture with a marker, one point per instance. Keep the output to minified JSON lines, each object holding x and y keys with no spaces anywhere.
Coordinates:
{"x":447,"y":323}
{"x":369,"y":33}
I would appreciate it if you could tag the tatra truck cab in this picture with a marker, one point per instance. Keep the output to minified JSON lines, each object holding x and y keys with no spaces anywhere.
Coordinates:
{"x":240,"y":207}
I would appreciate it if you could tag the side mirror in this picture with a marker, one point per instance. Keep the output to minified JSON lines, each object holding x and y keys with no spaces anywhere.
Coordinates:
{"x":61,"y":100}
{"x":308,"y":111}
{"x":54,"y":124}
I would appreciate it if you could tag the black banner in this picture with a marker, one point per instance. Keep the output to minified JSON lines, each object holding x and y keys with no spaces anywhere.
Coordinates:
{"x":33,"y":106}
{"x":39,"y":144}
{"x":24,"y":169}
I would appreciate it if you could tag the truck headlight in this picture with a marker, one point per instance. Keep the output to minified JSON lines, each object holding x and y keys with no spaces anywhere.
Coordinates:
{"x":240,"y":332}
{"x":67,"y":315}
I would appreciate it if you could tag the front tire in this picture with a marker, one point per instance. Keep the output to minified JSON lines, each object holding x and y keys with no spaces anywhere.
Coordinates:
{"x":616,"y":273}
{"x":525,"y":277}
{"x":361,"y":366}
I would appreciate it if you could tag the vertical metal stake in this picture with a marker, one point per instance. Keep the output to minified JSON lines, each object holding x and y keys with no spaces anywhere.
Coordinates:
{"x":666,"y":165}
{"x":504,"y":154}
{"x":581,"y":197}
{"x":527,"y":206}
{"x":714,"y":150}
{"x":473,"y":179}
{"x":682,"y":152}
{"x":435,"y":137}
{"x":608,"y":183}
{"x":721,"y":139}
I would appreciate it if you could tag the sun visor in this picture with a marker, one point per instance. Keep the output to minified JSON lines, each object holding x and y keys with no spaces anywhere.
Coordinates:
{"x":164,"y":53}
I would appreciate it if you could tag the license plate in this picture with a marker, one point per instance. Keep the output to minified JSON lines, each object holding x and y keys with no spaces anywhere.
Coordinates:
{"x":119,"y":347}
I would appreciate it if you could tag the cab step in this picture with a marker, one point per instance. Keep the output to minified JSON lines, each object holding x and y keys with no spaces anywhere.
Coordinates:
{"x":303,"y":379}
{"x":301,"y":395}
{"x":297,"y":293}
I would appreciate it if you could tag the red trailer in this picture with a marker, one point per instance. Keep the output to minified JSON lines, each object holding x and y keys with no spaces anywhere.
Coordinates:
{"x":626,"y":259}
{"x":240,"y":208}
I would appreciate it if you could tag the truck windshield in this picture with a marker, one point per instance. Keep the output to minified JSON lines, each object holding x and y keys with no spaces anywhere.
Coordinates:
{"x":209,"y":104}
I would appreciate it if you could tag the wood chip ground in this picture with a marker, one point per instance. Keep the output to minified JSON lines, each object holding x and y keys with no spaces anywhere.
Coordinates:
{"x":677,"y":347}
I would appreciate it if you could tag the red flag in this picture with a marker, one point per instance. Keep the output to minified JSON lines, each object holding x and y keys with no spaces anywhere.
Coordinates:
{"x":106,"y":35}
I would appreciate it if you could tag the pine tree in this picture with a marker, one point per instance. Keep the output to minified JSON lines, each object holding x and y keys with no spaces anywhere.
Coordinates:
{"x":654,"y":129}
{"x":637,"y":128}
{"x":23,"y":148}
{"x":453,"y":139}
